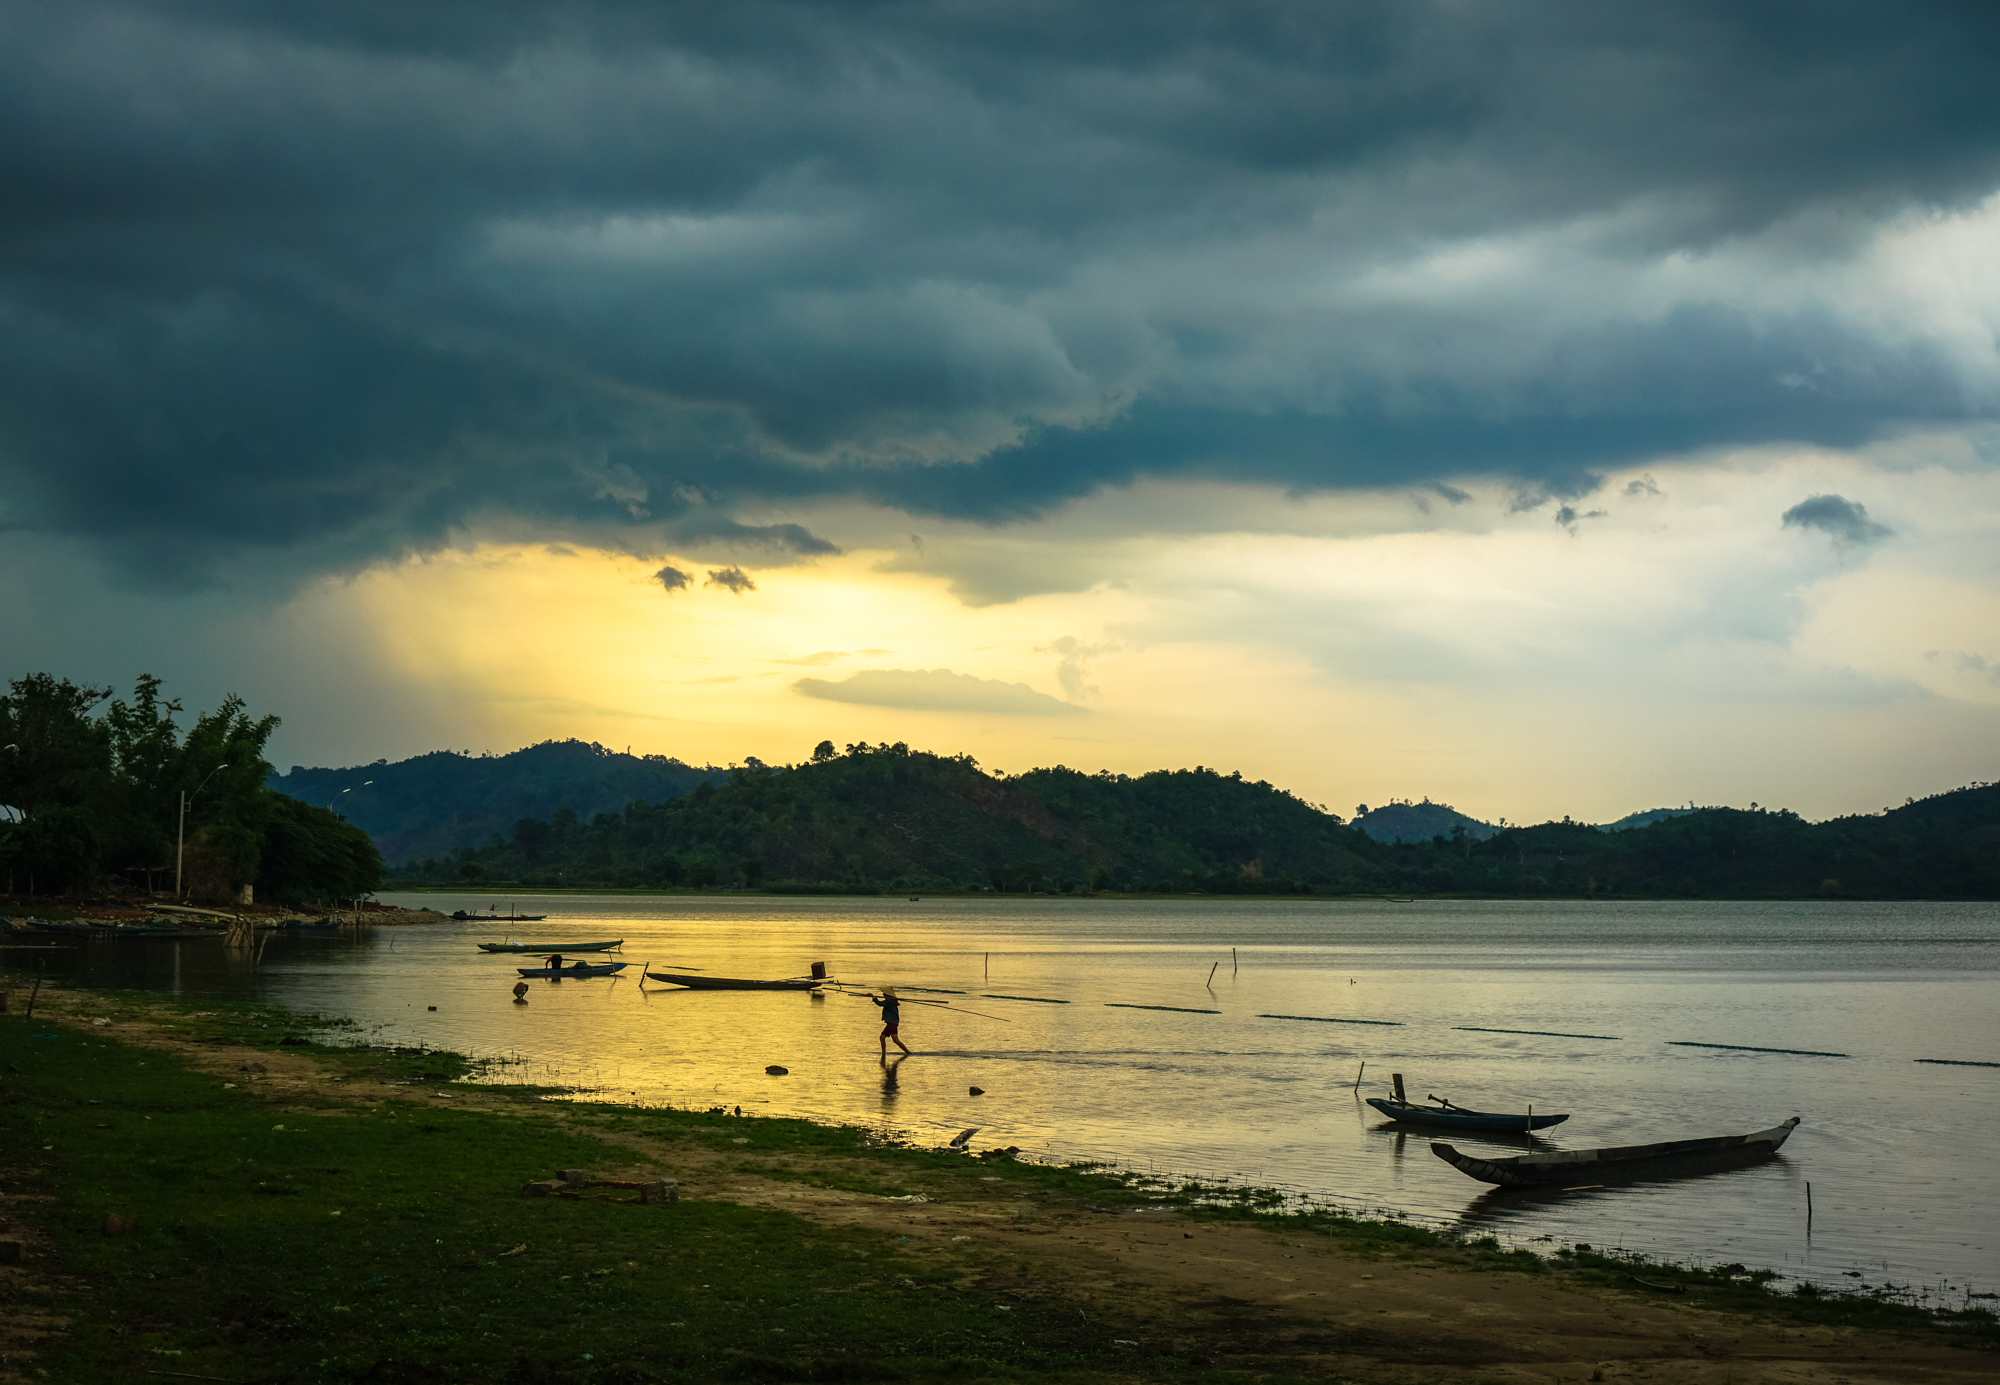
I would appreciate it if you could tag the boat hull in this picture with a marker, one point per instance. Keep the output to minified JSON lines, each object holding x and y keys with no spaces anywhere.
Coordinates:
{"x":1460,"y":1120}
{"x":549,"y":949}
{"x":729,"y":983}
{"x":1575,"y":1166}
{"x":589,"y":969}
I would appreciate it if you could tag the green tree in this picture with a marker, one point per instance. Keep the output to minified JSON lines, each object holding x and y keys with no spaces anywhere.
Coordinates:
{"x":51,"y":751}
{"x":58,"y":849}
{"x":311,"y":854}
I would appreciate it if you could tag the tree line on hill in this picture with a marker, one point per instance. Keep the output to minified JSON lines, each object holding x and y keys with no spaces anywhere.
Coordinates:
{"x":886,"y":817}
{"x":430,"y":805}
{"x":98,"y":786}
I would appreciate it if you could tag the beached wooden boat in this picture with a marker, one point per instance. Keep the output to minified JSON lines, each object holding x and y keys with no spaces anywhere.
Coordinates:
{"x":730,"y":983}
{"x":576,"y":969}
{"x":1584,"y":1166}
{"x":550,"y":949}
{"x":1446,"y":1114}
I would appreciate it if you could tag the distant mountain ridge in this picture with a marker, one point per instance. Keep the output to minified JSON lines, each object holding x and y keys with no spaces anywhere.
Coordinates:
{"x":436,"y":804}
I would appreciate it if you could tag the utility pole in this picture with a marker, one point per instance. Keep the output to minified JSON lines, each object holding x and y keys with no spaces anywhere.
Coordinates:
{"x":180,"y":832}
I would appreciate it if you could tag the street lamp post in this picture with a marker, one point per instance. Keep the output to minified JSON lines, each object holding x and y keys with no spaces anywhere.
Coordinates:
{"x":345,"y":792}
{"x":180,"y":832}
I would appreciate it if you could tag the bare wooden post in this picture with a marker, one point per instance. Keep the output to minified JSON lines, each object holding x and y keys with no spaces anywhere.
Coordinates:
{"x":989,"y":966}
{"x":1808,"y":1209}
{"x":1531,"y":1116}
{"x":1357,"y":1074}
{"x":1209,"y":982}
{"x":1232,"y":961}
{"x":1396,"y":1078}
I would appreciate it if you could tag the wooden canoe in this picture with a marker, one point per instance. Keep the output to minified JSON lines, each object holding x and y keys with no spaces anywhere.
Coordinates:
{"x":730,"y":983}
{"x":1457,"y":1119}
{"x":1574,"y":1166}
{"x":551,"y":949}
{"x":576,"y":969}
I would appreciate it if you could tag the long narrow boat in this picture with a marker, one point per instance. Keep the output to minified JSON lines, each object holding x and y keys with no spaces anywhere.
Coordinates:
{"x":326,"y":926}
{"x":1573,"y":1166}
{"x":548,"y":949}
{"x":576,"y":969}
{"x":729,"y":983}
{"x":1459,"y":1119}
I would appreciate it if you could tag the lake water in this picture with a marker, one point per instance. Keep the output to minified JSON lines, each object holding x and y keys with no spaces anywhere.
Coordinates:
{"x":1897,"y":1152}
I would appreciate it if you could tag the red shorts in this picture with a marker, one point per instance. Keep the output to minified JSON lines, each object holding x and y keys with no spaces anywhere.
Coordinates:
{"x":889,"y":1029}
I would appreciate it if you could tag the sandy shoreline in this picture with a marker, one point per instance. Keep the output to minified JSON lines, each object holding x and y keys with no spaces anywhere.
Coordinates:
{"x":1246,"y":1297}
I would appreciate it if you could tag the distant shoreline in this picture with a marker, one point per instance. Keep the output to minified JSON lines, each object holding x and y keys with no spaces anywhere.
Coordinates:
{"x":675,"y":892}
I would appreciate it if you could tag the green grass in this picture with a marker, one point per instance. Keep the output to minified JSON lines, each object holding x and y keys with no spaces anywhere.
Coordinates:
{"x":381,"y":1245}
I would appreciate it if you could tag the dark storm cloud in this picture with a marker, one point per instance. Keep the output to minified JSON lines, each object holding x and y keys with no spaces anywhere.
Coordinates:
{"x":333,"y":279}
{"x":1838,"y":516}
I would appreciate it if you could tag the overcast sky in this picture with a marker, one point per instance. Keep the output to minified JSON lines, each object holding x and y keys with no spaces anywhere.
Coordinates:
{"x":1544,"y":406}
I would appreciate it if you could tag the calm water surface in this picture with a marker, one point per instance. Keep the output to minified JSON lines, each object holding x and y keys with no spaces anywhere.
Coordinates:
{"x":1898,"y":1152}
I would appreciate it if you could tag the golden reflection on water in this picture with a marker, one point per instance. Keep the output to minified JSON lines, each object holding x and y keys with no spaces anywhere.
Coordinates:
{"x":1209,"y":1081}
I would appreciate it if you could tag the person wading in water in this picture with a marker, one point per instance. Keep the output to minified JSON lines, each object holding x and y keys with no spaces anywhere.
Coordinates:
{"x":892,"y":1019}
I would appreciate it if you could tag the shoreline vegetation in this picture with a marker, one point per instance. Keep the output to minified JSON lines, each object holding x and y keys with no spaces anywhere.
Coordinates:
{"x":217,"y":1190}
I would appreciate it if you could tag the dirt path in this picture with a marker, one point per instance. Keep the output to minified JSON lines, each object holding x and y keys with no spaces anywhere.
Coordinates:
{"x":1231,"y":1295}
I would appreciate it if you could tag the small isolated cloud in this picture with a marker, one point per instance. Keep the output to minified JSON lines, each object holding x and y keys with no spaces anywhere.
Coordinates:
{"x":1568,"y":517}
{"x":1844,"y":519}
{"x":825,"y":656}
{"x":1645,"y":485}
{"x":936,"y":690}
{"x":1074,"y":655}
{"x":1451,"y":493}
{"x":1570,"y":486}
{"x":733,"y":579}
{"x":672,"y":578}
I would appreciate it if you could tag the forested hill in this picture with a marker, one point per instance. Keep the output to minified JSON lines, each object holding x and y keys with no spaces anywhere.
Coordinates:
{"x":435,"y":804}
{"x":887,"y":817}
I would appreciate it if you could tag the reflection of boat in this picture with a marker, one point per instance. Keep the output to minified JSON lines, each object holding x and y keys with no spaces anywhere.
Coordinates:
{"x":549,"y":949}
{"x":576,"y":969}
{"x":325,"y":926}
{"x":729,"y":983}
{"x":1450,"y":1115}
{"x":1665,"y":1159}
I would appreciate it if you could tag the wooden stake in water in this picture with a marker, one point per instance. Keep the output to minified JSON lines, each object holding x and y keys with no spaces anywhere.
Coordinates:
{"x":1808,"y":1208}
{"x":1357,"y":1074}
{"x":989,"y":966}
{"x":1232,"y":961}
{"x":1211,"y":976}
{"x":1531,"y":1116}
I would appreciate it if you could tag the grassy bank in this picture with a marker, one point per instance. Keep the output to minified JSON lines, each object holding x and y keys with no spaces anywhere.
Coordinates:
{"x":187,"y":1224}
{"x":392,"y":1243}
